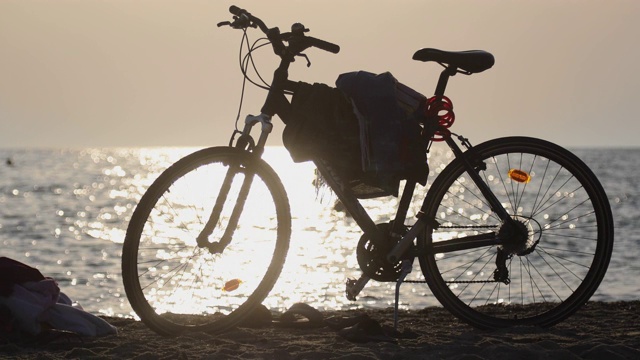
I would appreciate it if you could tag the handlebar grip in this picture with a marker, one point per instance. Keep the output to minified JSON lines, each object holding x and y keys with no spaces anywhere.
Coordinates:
{"x":324,"y":45}
{"x":236,"y":10}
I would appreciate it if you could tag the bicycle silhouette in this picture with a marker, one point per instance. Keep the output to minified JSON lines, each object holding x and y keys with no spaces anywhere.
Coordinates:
{"x":514,"y":231}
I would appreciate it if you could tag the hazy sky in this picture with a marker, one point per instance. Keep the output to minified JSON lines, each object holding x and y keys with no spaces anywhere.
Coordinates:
{"x":160,"y":73}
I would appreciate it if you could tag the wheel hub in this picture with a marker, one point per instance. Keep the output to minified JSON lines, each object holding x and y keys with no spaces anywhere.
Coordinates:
{"x":517,"y":236}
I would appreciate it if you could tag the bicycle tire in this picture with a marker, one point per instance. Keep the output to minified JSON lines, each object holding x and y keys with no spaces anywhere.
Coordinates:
{"x":176,"y":286}
{"x":563,"y":207}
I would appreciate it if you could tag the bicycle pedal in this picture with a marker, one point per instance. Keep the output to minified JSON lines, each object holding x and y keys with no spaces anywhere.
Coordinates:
{"x":354,"y":287}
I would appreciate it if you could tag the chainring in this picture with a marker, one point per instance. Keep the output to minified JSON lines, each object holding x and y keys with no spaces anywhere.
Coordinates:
{"x":373,"y":260}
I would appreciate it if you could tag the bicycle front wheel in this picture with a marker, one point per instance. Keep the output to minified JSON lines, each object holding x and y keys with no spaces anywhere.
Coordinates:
{"x":207,"y":242}
{"x":552,"y":256}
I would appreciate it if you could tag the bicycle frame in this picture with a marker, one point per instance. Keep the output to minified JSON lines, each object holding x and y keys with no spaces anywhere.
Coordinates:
{"x":276,"y":103}
{"x":533,"y":246}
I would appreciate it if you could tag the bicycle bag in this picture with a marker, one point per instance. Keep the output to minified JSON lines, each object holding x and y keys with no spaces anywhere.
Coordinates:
{"x":391,"y":146}
{"x":364,"y":129}
{"x":322,"y":125}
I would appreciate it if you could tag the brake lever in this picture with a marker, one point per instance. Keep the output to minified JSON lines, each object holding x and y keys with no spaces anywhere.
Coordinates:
{"x":306,"y":57}
{"x":239,"y":22}
{"x":298,"y":29}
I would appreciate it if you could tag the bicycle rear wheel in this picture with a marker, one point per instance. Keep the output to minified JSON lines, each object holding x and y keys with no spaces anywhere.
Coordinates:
{"x":176,"y":283}
{"x":539,"y":277}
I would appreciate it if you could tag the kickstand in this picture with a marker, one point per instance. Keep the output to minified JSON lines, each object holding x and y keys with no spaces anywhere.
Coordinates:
{"x":404,"y":271}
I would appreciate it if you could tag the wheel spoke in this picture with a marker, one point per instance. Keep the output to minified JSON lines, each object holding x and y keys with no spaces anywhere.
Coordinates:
{"x":172,"y":282}
{"x":561,"y":229}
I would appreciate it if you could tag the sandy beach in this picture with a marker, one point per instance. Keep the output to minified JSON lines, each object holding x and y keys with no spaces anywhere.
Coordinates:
{"x":598,"y":331}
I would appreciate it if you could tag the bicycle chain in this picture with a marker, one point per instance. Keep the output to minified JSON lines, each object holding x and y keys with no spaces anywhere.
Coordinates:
{"x":461,"y":281}
{"x":469,"y":227}
{"x":453,"y":282}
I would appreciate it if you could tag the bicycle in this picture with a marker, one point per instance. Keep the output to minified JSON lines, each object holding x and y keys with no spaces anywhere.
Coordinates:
{"x":514,"y":231}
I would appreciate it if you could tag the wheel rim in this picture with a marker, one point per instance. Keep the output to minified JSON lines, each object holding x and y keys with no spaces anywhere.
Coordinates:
{"x":558,"y":265}
{"x":176,"y":284}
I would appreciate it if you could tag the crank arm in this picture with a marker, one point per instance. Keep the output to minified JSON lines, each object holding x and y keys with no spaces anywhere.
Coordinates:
{"x":354,"y":287}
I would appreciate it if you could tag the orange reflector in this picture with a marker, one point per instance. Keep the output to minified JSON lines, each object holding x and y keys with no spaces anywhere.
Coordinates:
{"x":232,"y":285}
{"x":519,"y":176}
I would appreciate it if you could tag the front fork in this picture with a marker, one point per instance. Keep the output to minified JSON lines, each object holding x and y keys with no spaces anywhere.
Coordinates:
{"x":246,"y":142}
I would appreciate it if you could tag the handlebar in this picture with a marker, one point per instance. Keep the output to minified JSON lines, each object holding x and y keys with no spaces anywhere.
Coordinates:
{"x":298,"y":42}
{"x":240,"y":13}
{"x":323,"y":45}
{"x":236,"y":10}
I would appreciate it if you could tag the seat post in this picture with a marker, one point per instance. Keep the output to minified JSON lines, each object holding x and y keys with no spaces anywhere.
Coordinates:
{"x":444,"y":78}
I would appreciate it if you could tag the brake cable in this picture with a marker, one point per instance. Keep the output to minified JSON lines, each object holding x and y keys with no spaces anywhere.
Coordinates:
{"x":244,"y":65}
{"x":249,"y":57}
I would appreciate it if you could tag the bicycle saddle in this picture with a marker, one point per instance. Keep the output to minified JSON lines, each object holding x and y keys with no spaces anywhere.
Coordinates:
{"x":472,"y":61}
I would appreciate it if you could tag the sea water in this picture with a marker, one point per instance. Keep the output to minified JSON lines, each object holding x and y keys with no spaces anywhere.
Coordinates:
{"x":66,"y":211}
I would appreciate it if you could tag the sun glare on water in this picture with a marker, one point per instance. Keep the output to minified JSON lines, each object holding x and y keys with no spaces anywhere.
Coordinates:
{"x":186,"y":278}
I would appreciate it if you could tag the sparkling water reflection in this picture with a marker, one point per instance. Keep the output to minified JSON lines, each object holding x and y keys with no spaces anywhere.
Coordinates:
{"x":66,"y":212}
